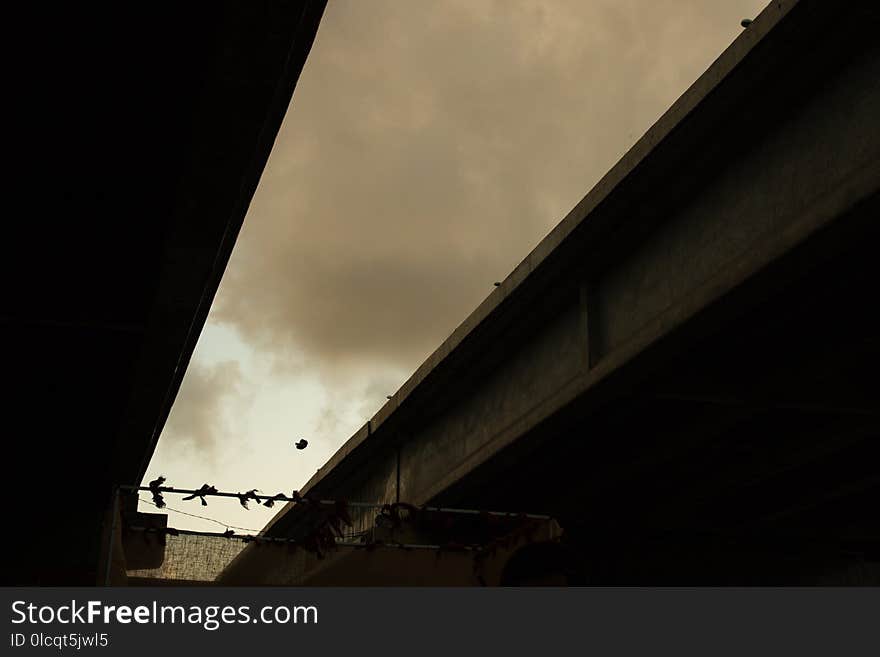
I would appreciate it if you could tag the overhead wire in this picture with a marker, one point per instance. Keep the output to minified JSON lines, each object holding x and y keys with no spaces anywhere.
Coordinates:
{"x":194,"y":515}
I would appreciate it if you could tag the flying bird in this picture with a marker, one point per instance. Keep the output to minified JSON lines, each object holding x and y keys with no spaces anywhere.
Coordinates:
{"x":301,"y":443}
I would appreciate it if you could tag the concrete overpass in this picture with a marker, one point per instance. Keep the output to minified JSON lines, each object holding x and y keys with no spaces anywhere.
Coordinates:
{"x":683,"y":370}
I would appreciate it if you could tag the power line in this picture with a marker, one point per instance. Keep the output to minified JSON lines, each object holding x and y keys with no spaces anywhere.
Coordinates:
{"x":474,"y":547}
{"x":207,"y":491}
{"x":193,"y":515}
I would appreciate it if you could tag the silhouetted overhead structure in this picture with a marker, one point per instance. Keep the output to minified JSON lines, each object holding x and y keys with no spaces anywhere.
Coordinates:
{"x":683,"y":371}
{"x":161,"y":125}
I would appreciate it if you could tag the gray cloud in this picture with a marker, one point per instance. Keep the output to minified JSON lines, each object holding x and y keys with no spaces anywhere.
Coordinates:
{"x":198,"y":420}
{"x":429,"y":147}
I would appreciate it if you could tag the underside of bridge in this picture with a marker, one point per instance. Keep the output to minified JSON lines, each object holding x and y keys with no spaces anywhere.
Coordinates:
{"x":157,"y":121}
{"x":683,"y":371}
{"x":745,"y":452}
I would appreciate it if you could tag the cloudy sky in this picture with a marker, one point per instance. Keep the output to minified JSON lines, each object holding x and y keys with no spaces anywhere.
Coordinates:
{"x":430,"y":145}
